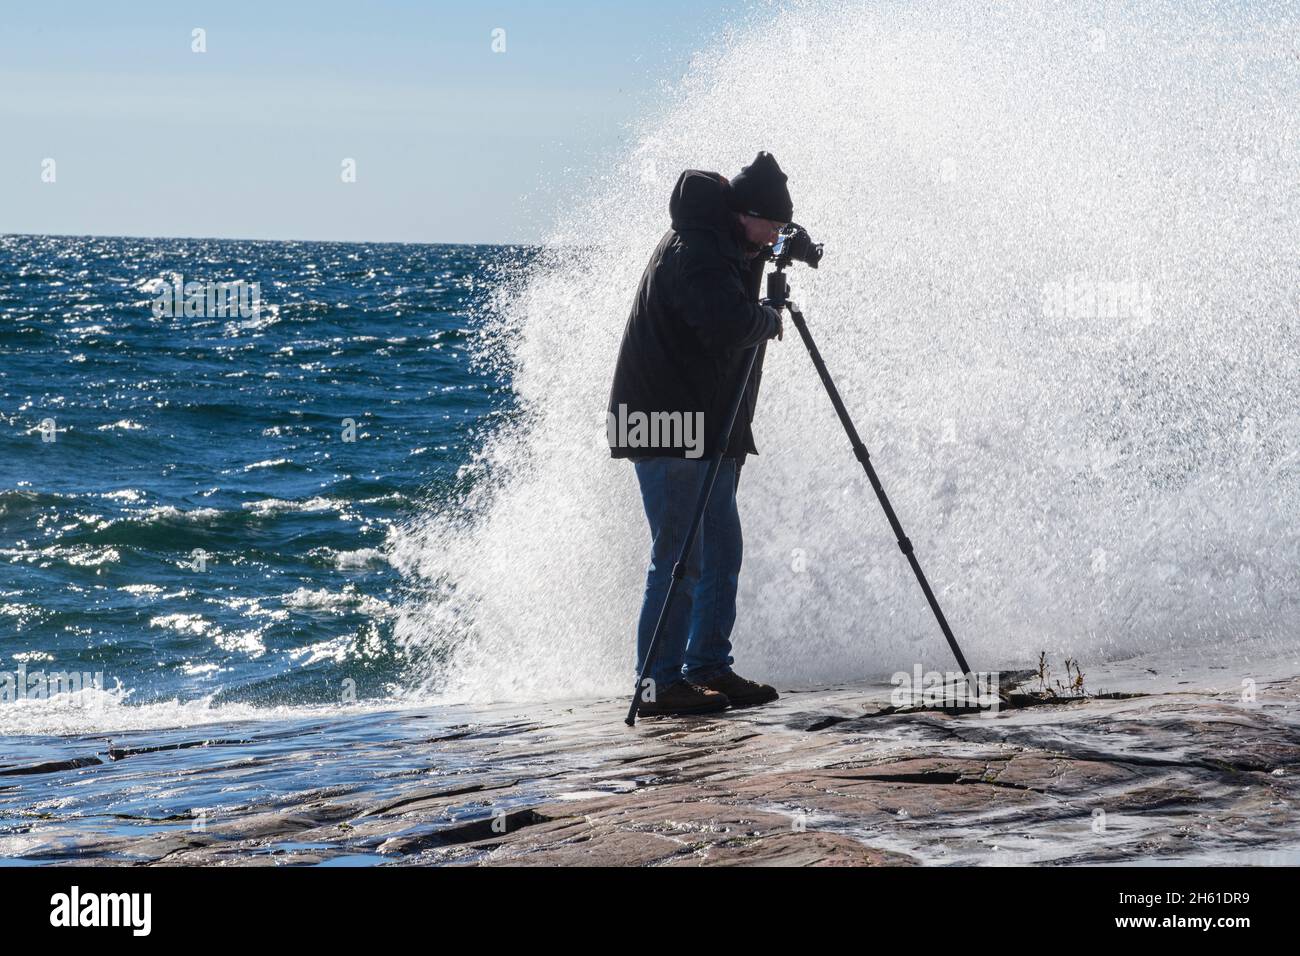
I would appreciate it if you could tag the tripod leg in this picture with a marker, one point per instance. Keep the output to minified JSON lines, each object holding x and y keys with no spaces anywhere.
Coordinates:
{"x":679,"y":569}
{"x":860,"y":452}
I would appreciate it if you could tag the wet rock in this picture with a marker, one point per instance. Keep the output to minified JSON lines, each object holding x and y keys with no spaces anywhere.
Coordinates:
{"x":1170,"y":765}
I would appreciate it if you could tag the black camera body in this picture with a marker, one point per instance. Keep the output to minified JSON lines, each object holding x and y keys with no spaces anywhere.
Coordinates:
{"x":795,"y":245}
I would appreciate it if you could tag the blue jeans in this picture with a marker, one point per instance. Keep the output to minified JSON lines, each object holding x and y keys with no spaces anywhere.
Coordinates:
{"x":695,"y":642}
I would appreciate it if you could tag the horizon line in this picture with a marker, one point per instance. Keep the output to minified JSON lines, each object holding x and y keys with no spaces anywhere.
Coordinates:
{"x":367,"y":242}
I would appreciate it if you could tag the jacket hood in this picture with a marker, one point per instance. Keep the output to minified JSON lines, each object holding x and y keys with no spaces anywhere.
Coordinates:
{"x":700,"y":200}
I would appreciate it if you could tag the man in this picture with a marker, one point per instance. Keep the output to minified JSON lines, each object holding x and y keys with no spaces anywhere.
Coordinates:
{"x":695,"y":315}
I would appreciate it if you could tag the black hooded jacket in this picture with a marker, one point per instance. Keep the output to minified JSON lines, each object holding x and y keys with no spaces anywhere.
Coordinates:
{"x":696,"y":312}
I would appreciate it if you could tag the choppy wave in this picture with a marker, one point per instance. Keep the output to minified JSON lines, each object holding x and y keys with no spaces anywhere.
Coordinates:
{"x":198,"y":507}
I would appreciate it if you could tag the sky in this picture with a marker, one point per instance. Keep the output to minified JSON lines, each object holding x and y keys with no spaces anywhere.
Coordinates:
{"x":451,"y":139}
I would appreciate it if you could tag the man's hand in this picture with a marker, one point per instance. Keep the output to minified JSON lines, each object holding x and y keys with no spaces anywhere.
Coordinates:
{"x":780,"y":324}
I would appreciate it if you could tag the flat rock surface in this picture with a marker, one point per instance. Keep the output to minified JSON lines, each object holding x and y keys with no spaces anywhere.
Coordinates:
{"x":1175,"y":765}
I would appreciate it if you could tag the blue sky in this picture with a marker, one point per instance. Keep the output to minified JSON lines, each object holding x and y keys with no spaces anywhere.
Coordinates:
{"x":452,"y":142}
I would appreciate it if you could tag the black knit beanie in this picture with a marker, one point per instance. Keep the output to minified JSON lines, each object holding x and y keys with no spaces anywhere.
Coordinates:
{"x":759,"y":190}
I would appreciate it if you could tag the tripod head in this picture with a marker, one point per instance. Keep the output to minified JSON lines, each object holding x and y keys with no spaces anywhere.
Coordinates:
{"x":778,"y":290}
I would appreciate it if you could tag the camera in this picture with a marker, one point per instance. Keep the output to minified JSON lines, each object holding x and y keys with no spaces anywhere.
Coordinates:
{"x":795,"y":245}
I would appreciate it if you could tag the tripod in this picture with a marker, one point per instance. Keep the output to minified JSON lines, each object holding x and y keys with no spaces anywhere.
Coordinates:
{"x":778,"y":292}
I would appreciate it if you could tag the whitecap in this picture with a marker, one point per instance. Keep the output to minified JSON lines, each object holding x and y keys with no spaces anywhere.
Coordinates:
{"x":276,"y":505}
{"x":337,"y":602}
{"x":361,"y":558}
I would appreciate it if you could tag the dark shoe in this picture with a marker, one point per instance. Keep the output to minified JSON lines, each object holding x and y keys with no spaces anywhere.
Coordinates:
{"x":683,"y":697}
{"x":741,"y":692}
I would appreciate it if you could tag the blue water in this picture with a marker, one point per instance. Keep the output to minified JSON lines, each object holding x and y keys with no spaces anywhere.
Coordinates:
{"x":200,"y":529}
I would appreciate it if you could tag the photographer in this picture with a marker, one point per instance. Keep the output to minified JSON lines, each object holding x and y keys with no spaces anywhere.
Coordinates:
{"x":695,"y":314}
